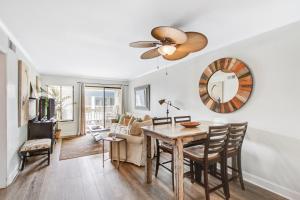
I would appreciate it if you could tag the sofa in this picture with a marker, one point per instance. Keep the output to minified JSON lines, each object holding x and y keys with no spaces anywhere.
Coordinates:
{"x":132,"y":132}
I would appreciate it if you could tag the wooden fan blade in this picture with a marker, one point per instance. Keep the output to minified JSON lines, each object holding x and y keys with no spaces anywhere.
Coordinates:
{"x":152,"y":53}
{"x":144,"y":44}
{"x":169,"y":34}
{"x":195,"y":42}
{"x":176,"y":55}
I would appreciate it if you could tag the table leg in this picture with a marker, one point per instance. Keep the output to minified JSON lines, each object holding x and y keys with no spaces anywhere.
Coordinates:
{"x":147,"y":156}
{"x":178,"y":165}
{"x":103,"y":153}
{"x":118,"y":154}
{"x":110,"y":149}
{"x":125,"y":150}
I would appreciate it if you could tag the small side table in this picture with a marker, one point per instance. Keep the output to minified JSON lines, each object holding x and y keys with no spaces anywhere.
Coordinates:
{"x":117,"y":141}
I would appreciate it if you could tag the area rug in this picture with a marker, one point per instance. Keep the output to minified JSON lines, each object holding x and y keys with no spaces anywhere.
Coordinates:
{"x":80,"y":146}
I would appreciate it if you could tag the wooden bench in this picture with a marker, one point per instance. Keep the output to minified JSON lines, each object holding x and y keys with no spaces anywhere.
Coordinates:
{"x":34,"y":148}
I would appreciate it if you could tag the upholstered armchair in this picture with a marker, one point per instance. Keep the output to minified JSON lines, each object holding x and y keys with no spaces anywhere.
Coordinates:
{"x":135,"y":142}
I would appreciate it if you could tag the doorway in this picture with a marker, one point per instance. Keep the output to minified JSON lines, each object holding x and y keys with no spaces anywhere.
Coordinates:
{"x":102,"y":104}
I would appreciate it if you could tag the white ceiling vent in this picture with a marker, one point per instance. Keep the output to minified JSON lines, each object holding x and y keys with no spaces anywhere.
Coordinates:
{"x":12,"y":46}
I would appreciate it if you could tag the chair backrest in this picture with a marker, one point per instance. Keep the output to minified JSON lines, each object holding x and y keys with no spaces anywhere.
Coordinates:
{"x":179,"y":119}
{"x":217,"y":140}
{"x":236,"y":135}
{"x":161,"y":120}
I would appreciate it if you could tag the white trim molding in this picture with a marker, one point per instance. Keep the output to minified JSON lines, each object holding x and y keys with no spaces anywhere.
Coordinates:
{"x":12,"y":176}
{"x":272,"y":187}
{"x":3,"y":122}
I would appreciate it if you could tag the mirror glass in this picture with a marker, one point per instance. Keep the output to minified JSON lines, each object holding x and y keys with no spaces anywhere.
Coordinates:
{"x":223,"y":86}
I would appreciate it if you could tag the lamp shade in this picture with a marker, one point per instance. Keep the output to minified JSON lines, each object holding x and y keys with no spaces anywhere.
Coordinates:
{"x":166,"y":50}
{"x":162,"y":101}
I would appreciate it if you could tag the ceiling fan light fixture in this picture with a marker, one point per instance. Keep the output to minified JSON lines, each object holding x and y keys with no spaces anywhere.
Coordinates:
{"x":167,"y":50}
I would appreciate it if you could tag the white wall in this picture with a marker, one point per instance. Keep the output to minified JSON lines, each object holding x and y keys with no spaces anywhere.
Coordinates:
{"x":15,"y":136}
{"x":71,"y":127}
{"x":3,"y":121}
{"x":271,"y":149}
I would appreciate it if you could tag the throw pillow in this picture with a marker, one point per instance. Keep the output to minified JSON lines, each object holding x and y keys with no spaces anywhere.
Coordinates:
{"x":136,"y":129}
{"x":126,"y":121}
{"x":131,"y":120}
{"x":147,"y":117}
{"x":121,"y":119}
{"x":147,"y":123}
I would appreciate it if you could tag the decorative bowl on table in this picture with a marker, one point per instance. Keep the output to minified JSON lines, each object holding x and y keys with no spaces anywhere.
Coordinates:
{"x":190,"y":124}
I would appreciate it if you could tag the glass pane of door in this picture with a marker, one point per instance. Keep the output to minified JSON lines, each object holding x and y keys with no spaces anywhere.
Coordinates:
{"x":94,"y":108}
{"x":113,"y":104}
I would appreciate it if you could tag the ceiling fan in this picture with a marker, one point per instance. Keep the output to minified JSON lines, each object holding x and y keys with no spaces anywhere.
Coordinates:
{"x":172,"y":44}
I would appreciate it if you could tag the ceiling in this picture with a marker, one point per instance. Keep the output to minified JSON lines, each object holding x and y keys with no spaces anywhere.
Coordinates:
{"x":90,"y":38}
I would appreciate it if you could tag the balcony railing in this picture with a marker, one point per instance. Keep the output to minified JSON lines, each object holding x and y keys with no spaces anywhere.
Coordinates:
{"x":94,"y":116}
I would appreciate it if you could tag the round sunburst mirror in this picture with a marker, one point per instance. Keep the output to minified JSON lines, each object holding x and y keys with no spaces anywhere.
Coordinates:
{"x":226,"y":85}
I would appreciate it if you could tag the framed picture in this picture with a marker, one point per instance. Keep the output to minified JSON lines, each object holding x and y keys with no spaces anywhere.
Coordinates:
{"x":38,"y":86}
{"x":23,"y":93}
{"x":142,"y":97}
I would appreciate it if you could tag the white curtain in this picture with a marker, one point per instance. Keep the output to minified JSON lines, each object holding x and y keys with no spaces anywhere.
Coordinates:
{"x":123,"y":91}
{"x":81,"y":109}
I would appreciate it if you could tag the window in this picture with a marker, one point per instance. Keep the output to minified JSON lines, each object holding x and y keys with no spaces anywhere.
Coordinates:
{"x":64,"y":101}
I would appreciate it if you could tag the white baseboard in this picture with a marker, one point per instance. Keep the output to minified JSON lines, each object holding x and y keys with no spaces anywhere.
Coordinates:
{"x":2,"y":185}
{"x":12,"y":176}
{"x":268,"y":185}
{"x":272,"y":187}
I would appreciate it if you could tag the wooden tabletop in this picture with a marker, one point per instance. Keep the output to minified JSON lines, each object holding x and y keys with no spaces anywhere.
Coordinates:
{"x":173,"y":132}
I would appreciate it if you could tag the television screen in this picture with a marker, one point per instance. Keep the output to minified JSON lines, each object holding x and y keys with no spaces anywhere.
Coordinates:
{"x":42,"y":107}
{"x":51,"y":108}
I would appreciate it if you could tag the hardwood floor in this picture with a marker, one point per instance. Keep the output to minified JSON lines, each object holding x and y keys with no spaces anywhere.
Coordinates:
{"x":84,"y":178}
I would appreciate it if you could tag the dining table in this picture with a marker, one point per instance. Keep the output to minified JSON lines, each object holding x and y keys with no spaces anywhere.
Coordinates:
{"x":177,"y":136}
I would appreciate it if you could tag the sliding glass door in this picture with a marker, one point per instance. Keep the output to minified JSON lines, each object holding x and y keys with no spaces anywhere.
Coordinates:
{"x":113,"y":105}
{"x":102,"y":104}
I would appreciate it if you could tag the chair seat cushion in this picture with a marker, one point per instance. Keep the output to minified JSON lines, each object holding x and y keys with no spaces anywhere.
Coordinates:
{"x":37,"y":144}
{"x":197,"y":152}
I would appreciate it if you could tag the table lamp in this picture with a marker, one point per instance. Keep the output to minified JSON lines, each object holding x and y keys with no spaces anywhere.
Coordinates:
{"x":168,"y":103}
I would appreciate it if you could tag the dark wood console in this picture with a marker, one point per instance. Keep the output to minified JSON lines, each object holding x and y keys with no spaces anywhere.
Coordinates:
{"x":42,"y":129}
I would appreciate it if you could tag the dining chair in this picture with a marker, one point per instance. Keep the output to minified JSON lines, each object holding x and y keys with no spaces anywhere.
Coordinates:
{"x":234,"y":149}
{"x":213,"y":151}
{"x":165,"y":147}
{"x":179,"y":119}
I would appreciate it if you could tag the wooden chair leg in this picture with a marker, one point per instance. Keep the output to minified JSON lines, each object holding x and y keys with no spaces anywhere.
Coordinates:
{"x":192,"y":171}
{"x":23,"y":162}
{"x":225,"y":178}
{"x":239,"y":159}
{"x":206,"y":186}
{"x":157,"y":157}
{"x":172,"y":168}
